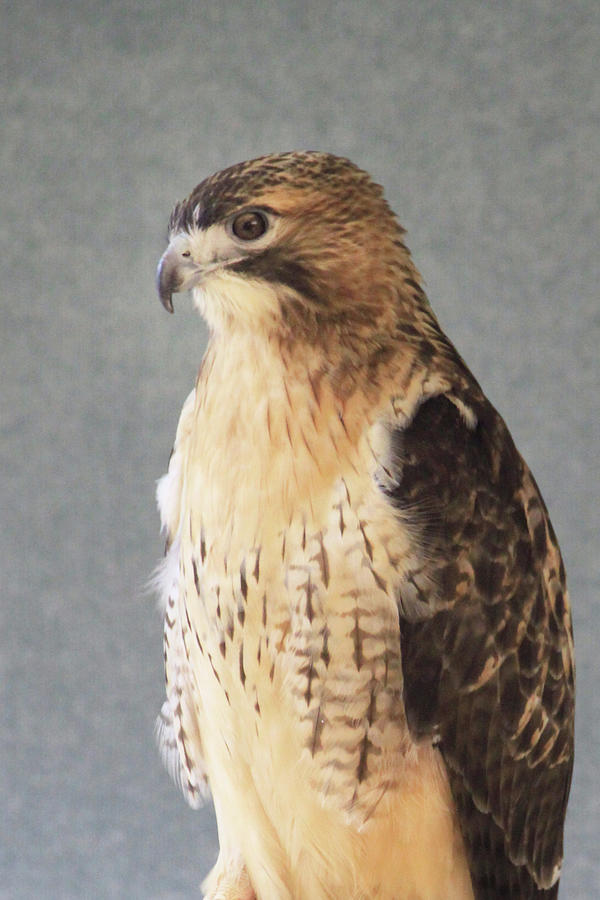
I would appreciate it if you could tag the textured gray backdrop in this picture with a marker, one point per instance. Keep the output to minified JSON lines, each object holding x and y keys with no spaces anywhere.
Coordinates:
{"x":480,"y":118}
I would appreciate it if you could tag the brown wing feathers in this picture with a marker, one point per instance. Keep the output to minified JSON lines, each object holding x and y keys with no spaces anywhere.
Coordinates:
{"x":489,"y":673}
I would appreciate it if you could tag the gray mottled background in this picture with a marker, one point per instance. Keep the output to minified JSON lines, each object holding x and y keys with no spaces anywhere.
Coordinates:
{"x":481,"y":119}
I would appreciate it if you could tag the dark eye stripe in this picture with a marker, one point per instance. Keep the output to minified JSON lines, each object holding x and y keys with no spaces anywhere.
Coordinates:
{"x":274,"y":266}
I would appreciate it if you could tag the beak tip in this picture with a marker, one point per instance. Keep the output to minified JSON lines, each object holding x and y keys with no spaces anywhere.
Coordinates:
{"x":167,"y":302}
{"x":165,"y":284}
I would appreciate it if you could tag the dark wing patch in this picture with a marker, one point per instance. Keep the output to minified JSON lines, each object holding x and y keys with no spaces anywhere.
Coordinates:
{"x":489,"y":671}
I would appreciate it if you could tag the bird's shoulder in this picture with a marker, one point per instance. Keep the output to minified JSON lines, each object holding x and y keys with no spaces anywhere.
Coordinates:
{"x":169,"y":487}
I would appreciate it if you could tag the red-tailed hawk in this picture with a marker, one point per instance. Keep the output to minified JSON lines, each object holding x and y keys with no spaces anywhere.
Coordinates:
{"x":368,"y":645}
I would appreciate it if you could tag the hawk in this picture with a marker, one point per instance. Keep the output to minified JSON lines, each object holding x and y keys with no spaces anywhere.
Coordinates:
{"x":367,"y":634}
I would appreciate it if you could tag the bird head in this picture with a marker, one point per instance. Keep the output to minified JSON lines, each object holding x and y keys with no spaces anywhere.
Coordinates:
{"x":302,"y":243}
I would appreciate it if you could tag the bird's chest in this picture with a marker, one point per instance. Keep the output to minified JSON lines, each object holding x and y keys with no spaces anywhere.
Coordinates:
{"x":291,"y":561}
{"x":296,"y":635}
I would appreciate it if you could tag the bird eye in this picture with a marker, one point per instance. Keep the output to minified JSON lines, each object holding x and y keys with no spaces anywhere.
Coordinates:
{"x":249,"y":225}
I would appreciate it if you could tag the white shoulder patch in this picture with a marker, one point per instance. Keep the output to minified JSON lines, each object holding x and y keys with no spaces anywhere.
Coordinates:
{"x":168,"y":494}
{"x":468,"y":415}
{"x":165,"y":578}
{"x":169,"y":487}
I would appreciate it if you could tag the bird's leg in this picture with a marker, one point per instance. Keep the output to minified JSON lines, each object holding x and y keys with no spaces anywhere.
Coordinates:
{"x":229,"y":880}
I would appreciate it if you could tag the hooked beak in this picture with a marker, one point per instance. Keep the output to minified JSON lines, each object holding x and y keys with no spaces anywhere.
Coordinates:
{"x":176,"y":272}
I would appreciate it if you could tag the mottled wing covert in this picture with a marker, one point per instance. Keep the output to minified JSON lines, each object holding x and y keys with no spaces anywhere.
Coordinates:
{"x":176,"y":726}
{"x":489,"y":673}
